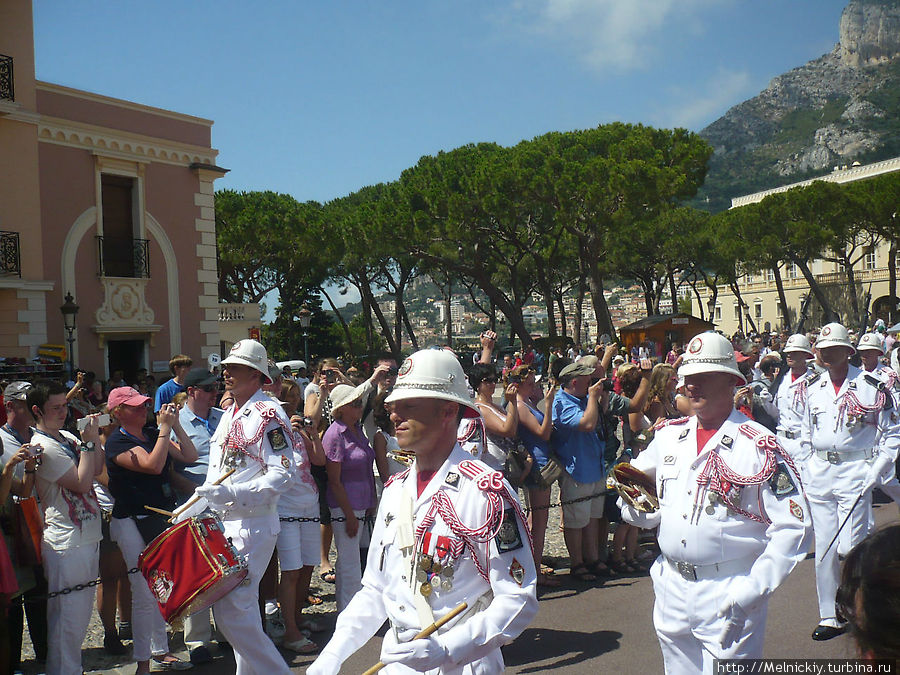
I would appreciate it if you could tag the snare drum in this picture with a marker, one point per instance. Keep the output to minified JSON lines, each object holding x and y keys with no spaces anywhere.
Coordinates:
{"x":190,"y":566}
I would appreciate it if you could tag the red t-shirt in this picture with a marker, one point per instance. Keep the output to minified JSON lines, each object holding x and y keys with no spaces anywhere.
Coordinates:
{"x":422,"y":480}
{"x":703,"y":435}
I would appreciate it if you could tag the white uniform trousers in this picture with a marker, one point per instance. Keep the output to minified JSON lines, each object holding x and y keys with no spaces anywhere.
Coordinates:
{"x":685,"y":615}
{"x":68,"y":615}
{"x":147,"y":624}
{"x":197,"y":629}
{"x":347,"y":567}
{"x":831,"y":491}
{"x":237,"y":614}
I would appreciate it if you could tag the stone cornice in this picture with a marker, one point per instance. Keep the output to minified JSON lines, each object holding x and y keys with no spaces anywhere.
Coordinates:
{"x":121,"y":144}
{"x":120,"y":103}
{"x":847,"y":175}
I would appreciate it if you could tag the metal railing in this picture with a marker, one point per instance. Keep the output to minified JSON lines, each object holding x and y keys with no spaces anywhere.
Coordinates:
{"x":7,"y":82}
{"x":123,"y":257}
{"x":10,"y":256}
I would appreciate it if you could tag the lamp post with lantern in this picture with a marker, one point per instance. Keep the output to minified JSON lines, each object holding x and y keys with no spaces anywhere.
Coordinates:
{"x":305,"y":316}
{"x":69,"y":309}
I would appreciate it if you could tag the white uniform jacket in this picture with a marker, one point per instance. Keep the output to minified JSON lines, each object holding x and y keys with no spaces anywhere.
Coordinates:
{"x":257,"y":441}
{"x":859,"y":417}
{"x":891,"y":381}
{"x":791,"y":402}
{"x":767,"y":527}
{"x":492,"y":571}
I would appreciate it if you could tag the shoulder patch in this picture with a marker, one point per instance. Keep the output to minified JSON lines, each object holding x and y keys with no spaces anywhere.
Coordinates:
{"x":508,"y":536}
{"x":812,"y":377}
{"x":277,"y":439}
{"x":781,"y":482}
{"x":452,"y":479}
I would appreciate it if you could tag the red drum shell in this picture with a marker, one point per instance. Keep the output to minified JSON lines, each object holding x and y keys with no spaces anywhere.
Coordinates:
{"x":190,"y":566}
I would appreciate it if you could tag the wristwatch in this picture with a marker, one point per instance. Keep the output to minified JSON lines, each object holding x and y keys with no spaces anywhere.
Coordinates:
{"x":90,"y":446}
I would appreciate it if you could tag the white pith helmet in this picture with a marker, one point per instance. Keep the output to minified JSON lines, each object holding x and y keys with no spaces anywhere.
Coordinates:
{"x":433,"y":373}
{"x":798,"y":343}
{"x":871,"y":342}
{"x":249,"y":353}
{"x":834,"y":335}
{"x":710,"y":353}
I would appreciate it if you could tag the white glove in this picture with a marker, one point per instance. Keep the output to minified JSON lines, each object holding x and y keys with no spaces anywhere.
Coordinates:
{"x":325,"y":664}
{"x":422,"y":654}
{"x":645,"y":521}
{"x":216,"y":495}
{"x":877,"y":469}
{"x":735,"y":618}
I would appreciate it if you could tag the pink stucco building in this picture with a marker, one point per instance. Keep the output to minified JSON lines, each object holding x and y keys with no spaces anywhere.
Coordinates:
{"x":108,"y":200}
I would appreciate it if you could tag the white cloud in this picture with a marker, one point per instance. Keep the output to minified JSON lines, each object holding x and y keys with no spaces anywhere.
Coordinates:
{"x":695,"y":108}
{"x":610,"y":35}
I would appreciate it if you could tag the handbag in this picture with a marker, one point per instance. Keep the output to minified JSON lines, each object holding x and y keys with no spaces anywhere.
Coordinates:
{"x":516,"y":461}
{"x":551,"y":471}
{"x":28,"y":525}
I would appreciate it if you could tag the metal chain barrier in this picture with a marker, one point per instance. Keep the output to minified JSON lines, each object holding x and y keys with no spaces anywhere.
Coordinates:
{"x":570,"y":501}
{"x":79,"y":587}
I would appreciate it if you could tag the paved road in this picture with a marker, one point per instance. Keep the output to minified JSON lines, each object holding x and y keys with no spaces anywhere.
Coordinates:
{"x":591,"y":629}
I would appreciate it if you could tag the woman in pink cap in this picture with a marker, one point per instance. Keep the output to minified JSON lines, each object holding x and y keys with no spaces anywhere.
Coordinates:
{"x":138,"y":458}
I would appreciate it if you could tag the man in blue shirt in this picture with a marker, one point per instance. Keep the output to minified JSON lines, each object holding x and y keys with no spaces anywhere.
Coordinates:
{"x":179,"y":365}
{"x":578,"y":440}
{"x":199,"y":420}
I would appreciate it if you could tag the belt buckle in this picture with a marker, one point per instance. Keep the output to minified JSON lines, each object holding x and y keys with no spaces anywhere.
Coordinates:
{"x":687,"y":570}
{"x":833,"y":457}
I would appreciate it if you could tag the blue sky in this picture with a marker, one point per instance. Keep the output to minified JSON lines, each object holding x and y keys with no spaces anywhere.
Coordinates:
{"x":318,"y":98}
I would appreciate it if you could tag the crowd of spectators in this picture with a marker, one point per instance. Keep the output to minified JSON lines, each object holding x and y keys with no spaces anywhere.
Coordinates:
{"x":90,"y":455}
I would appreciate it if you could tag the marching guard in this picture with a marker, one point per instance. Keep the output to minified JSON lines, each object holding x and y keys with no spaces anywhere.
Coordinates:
{"x":790,"y":399}
{"x":850,"y":436}
{"x":448,"y":530}
{"x":255,"y":439}
{"x":731,"y":518}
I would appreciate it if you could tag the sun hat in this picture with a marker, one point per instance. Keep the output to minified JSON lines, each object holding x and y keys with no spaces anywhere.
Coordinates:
{"x":870,"y":342}
{"x":17,"y":391}
{"x":344,"y":394}
{"x":576,"y":369}
{"x":250,"y":353}
{"x":710,"y":353}
{"x":433,"y":373}
{"x":126,"y":396}
{"x":834,"y":335}
{"x":798,"y":343}
{"x":199,"y":377}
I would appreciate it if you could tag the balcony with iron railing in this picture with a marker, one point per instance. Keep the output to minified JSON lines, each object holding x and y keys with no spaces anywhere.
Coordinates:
{"x":123,"y":257}
{"x":10,"y":255}
{"x":7,"y":82}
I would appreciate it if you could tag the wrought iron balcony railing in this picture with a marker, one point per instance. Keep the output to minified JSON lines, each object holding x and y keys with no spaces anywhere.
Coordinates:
{"x":10,"y":258}
{"x":7,"y":88}
{"x":123,"y":257}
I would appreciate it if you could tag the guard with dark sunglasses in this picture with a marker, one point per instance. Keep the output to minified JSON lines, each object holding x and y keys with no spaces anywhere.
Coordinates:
{"x":199,"y":420}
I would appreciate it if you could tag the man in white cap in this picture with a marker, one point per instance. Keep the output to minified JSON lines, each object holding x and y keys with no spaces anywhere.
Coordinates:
{"x":849,"y":434}
{"x":871,"y":350}
{"x":731,"y":519}
{"x":254,"y":438}
{"x":790,"y":397}
{"x":448,"y":530}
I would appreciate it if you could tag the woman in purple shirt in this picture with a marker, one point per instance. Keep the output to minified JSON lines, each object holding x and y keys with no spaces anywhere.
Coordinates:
{"x":351,"y":486}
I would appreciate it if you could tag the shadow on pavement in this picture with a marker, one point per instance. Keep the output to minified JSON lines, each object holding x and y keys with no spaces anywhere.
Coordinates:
{"x":550,"y":649}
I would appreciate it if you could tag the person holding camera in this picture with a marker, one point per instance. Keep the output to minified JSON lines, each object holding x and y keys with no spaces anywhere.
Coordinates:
{"x":499,"y":426}
{"x":71,"y":542}
{"x":298,"y":512}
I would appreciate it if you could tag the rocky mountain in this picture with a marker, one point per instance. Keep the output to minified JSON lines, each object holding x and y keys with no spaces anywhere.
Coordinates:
{"x":837,"y":109}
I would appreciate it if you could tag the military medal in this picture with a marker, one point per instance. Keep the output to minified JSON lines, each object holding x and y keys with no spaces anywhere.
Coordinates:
{"x":425,"y":562}
{"x":421,"y":575}
{"x":517,"y":572}
{"x":425,"y":589}
{"x":710,"y":509}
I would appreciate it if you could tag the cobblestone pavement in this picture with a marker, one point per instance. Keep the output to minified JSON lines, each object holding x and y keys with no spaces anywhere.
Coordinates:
{"x":96,"y":660}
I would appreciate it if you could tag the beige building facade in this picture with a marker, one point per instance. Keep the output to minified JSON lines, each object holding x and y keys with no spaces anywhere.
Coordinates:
{"x":111,"y":201}
{"x":760,"y":295}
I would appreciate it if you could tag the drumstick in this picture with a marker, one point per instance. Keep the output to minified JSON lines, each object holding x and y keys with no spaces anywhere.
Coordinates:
{"x":156,"y":510}
{"x":193,"y":500}
{"x":461,"y":607}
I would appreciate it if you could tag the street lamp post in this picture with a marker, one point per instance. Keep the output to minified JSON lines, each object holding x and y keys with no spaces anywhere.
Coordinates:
{"x":711,"y":306}
{"x":69,"y":310}
{"x":305,"y":315}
